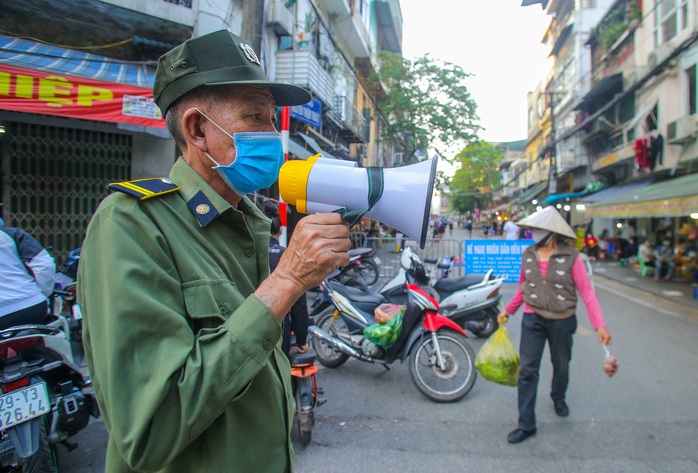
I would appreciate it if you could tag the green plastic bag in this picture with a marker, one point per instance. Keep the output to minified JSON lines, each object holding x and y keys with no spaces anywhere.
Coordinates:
{"x":385,"y":334}
{"x":497,"y":360}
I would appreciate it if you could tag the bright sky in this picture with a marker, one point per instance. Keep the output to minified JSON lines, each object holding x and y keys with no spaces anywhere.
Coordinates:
{"x":498,"y":41}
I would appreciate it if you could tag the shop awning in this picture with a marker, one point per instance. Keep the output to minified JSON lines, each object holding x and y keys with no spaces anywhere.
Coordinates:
{"x":555,"y":197}
{"x":672,"y":198}
{"x":299,"y":151}
{"x":500,"y":208}
{"x":315,"y":146}
{"x":615,"y":191}
{"x":527,"y":196}
{"x":602,"y":92}
{"x":43,"y":57}
{"x":49,"y":80}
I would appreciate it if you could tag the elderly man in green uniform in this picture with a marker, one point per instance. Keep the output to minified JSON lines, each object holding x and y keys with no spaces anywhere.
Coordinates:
{"x":182,"y":320}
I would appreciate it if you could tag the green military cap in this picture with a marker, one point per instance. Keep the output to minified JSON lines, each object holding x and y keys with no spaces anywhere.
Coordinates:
{"x":218,"y":58}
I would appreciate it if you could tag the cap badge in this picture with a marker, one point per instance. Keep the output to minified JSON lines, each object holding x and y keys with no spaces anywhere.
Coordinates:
{"x":202,"y":209}
{"x":249,"y":52}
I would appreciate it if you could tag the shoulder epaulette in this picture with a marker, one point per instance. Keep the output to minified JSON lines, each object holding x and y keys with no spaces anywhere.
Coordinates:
{"x":145,"y":188}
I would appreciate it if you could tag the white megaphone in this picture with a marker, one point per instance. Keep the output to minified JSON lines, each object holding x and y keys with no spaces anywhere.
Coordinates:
{"x":399,"y":197}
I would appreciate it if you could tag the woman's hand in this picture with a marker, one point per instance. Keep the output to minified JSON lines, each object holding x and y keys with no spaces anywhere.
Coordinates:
{"x":604,"y":336}
{"x":503,"y":316}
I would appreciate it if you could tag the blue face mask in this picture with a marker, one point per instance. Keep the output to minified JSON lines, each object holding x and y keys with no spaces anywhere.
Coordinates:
{"x":258,"y":158}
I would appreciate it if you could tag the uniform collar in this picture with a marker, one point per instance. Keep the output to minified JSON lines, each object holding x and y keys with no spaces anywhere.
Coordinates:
{"x":204,"y":202}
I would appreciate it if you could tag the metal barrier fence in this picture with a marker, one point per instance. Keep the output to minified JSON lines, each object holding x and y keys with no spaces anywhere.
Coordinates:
{"x":388,"y":250}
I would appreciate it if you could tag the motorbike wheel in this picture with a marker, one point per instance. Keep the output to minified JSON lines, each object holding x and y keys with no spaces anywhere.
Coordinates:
{"x":45,"y":459}
{"x":305,"y":420}
{"x":459,"y":375}
{"x":491,"y":324}
{"x":326,"y":354}
{"x":367,"y":270}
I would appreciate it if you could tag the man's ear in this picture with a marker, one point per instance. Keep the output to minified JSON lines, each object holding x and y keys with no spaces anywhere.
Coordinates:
{"x":193,"y":129}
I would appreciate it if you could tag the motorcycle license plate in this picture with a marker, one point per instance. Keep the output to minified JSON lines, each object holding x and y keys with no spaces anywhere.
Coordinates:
{"x":77,"y":313}
{"x":377,"y":260}
{"x":24,"y":404}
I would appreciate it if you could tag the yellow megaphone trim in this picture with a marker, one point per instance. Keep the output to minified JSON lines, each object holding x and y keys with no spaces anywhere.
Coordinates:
{"x":293,"y":182}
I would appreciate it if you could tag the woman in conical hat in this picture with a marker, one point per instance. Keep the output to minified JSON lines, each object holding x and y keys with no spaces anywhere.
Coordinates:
{"x":551,"y":276}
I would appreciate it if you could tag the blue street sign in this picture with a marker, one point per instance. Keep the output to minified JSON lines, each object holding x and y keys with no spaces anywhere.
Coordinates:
{"x":310,"y":112}
{"x":503,"y":256}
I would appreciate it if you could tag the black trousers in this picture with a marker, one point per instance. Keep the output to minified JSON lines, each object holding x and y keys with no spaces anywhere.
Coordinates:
{"x":535,"y":331}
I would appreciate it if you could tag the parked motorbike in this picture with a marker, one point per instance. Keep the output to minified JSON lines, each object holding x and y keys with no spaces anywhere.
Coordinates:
{"x":65,"y":305}
{"x":440,"y":360}
{"x":45,"y":398}
{"x":362,"y":269}
{"x":306,"y":392}
{"x":64,"y":301}
{"x":472,"y":301}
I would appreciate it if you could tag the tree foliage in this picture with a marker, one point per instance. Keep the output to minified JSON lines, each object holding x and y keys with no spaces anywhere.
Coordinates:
{"x":473,"y":183}
{"x":426,"y":103}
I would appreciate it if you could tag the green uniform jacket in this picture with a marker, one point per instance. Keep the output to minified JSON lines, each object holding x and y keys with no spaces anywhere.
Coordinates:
{"x":186,"y":362}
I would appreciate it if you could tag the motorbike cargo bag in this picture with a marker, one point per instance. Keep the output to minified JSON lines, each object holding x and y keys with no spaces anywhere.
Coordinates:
{"x":385,"y":312}
{"x":385,"y":334}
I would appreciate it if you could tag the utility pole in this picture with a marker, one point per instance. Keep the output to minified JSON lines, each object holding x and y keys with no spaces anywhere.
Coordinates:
{"x":552,"y":172}
{"x":252,"y":23}
{"x":251,"y":31}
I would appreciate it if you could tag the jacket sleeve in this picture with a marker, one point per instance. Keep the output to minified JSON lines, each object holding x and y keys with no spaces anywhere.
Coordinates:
{"x":38,"y":260}
{"x":160,"y":383}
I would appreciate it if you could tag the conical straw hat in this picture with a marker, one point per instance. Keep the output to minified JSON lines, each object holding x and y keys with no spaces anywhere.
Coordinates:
{"x":549,"y":219}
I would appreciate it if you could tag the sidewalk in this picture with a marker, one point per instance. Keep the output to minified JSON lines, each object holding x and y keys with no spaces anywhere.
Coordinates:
{"x":680,"y":292}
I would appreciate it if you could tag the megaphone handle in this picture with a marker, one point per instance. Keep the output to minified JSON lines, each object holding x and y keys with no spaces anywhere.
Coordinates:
{"x":375,"y":191}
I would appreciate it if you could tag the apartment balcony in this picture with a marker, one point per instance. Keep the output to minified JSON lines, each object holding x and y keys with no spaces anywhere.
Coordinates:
{"x":335,"y":7}
{"x":389,"y":22}
{"x":175,"y":11}
{"x":347,"y":26}
{"x":616,"y":156}
{"x":353,"y":127}
{"x":301,"y":68}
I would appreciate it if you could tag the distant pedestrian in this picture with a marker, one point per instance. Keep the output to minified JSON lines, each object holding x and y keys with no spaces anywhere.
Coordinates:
{"x":469,"y":227}
{"x":511,"y":229}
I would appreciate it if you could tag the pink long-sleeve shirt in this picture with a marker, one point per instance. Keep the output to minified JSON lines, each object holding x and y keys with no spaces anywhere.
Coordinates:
{"x":581,"y":280}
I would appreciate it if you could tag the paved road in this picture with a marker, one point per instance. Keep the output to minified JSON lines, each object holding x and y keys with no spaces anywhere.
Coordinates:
{"x":643,"y":420}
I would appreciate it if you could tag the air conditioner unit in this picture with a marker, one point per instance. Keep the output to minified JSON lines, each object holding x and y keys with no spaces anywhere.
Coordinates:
{"x":658,"y":55}
{"x":279,"y":18}
{"x":682,"y":131}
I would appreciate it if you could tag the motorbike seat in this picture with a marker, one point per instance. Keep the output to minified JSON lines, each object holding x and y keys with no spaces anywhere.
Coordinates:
{"x":305,"y":358}
{"x":357,"y":295}
{"x":359,"y":251}
{"x":448,"y":285}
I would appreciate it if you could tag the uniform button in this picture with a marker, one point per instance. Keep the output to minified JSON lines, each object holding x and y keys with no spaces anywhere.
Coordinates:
{"x":248,"y":252}
{"x":267,"y":345}
{"x":223,"y":309}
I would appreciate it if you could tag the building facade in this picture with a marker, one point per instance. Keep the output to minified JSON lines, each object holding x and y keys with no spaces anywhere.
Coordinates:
{"x":74,"y":118}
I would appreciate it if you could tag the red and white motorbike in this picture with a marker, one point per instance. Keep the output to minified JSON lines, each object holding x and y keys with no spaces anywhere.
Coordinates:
{"x":440,"y":360}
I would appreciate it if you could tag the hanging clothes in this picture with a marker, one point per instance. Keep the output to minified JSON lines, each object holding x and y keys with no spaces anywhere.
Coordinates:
{"x":655,"y":151}
{"x":641,"y":153}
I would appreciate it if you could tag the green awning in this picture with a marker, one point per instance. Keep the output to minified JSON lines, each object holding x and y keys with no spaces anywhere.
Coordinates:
{"x":671,"y":198}
{"x":528,"y":195}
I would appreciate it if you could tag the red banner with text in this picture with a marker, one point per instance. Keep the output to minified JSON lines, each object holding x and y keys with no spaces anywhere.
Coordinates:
{"x":47,"y":93}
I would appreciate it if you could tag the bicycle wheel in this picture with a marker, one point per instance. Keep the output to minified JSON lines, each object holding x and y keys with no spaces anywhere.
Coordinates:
{"x":459,"y":374}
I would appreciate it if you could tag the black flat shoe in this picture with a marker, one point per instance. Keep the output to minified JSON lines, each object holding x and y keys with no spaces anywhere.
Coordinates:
{"x":519,"y":435}
{"x":561,"y":409}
